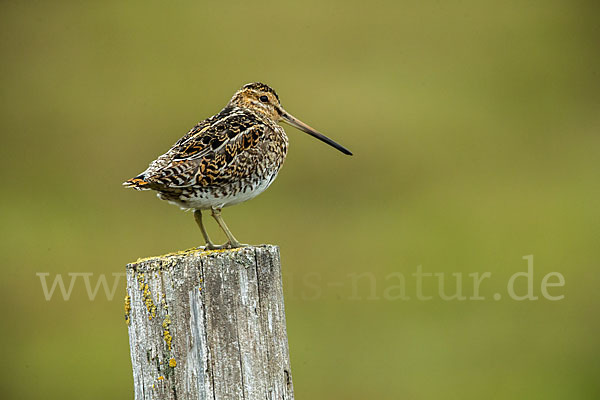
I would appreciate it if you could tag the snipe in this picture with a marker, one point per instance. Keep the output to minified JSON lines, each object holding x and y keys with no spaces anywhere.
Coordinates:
{"x":226,"y":159}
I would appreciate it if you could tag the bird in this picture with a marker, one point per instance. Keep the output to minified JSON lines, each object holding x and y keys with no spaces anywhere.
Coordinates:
{"x":226,"y":159}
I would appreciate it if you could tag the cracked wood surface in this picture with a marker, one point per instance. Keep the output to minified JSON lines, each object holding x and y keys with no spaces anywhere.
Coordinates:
{"x":208,"y":325}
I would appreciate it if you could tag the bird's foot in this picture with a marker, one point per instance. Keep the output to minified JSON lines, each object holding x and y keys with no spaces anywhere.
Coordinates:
{"x":236,"y":244}
{"x":227,"y":245}
{"x":212,"y":246}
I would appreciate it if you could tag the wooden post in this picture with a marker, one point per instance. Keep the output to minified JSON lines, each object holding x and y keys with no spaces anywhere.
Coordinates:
{"x":208,"y":325}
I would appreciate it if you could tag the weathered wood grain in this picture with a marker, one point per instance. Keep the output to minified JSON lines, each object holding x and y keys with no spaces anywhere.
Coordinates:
{"x":208,"y":325}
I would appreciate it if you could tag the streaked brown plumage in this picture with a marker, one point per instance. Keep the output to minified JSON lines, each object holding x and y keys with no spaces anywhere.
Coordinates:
{"x":226,"y":159}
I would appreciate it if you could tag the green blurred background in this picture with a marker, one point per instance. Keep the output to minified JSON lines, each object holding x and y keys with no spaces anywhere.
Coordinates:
{"x":475,"y":127}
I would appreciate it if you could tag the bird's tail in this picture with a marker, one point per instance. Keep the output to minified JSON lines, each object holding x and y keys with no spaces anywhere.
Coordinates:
{"x":137,"y":183}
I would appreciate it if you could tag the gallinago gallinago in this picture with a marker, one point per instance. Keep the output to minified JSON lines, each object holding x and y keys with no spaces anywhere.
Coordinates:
{"x":226,"y":159}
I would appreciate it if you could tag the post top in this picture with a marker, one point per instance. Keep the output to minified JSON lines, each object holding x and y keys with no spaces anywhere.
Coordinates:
{"x":196,"y":252}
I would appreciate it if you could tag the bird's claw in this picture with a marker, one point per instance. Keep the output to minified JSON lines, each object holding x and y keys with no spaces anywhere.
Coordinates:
{"x":227,"y":245}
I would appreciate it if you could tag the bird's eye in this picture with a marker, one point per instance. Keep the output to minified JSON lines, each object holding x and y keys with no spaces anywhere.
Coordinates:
{"x":264,"y":99}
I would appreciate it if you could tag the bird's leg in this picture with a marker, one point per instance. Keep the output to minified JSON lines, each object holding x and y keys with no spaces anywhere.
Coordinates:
{"x":209,"y":244}
{"x":233,"y":242}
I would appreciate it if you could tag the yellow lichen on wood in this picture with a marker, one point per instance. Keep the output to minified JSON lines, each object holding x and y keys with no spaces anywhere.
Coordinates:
{"x":168,"y":338}
{"x":172,"y":363}
{"x":147,"y":296}
{"x":164,"y":302}
{"x":127,"y":309}
{"x":166,"y":333}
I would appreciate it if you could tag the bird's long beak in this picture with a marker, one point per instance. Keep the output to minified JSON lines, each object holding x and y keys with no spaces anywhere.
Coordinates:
{"x":296,"y":123}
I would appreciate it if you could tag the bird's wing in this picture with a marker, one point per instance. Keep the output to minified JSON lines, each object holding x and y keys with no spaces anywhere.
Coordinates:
{"x":204,"y":156}
{"x":150,"y":178}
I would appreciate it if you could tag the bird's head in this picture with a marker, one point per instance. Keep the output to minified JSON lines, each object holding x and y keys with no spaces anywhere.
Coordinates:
{"x":261,"y":99}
